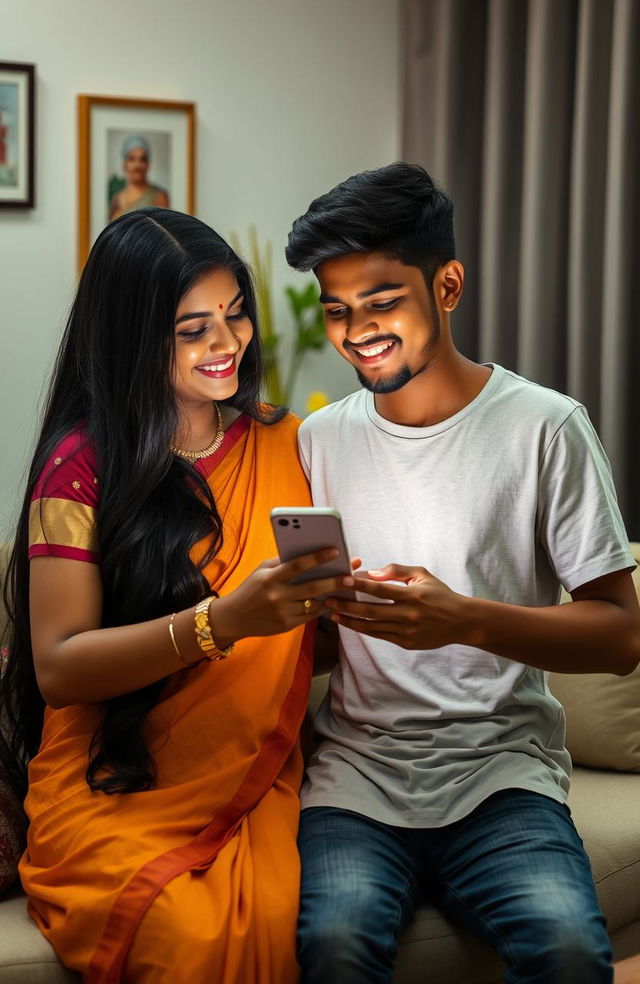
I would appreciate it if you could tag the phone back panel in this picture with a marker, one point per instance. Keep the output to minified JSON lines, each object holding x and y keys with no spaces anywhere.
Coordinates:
{"x":304,"y":534}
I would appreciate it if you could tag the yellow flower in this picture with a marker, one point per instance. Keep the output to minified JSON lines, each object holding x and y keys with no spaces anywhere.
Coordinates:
{"x":316,"y":400}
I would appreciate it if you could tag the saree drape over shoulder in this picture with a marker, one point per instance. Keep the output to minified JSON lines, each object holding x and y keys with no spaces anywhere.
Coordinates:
{"x":197,"y":879}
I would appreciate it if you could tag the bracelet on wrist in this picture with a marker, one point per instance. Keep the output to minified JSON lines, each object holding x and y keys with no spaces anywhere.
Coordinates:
{"x":177,"y":648}
{"x":204,"y":632}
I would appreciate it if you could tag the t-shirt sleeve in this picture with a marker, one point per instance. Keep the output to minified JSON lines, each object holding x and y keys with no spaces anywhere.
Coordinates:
{"x":579,"y":520}
{"x":62,"y":517}
{"x":304,"y":449}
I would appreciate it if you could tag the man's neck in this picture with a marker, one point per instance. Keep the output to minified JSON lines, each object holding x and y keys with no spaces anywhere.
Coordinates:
{"x":448,"y":385}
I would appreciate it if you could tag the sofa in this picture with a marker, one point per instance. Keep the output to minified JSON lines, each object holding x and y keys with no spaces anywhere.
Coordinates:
{"x":603,"y":736}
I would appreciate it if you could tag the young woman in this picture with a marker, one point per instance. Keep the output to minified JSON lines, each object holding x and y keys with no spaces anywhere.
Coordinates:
{"x":159,"y":665}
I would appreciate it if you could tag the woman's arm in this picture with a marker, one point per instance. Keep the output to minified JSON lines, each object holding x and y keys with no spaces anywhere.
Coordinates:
{"x":78,"y":662}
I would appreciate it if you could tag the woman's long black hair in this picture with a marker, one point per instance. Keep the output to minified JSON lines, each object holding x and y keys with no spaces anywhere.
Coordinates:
{"x":113,"y":378}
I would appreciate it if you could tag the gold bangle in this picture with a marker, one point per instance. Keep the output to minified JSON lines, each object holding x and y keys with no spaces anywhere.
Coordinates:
{"x":175,"y":644}
{"x":204,"y":634}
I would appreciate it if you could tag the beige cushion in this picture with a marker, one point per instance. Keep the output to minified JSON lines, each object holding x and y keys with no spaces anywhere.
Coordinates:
{"x":606,"y":811}
{"x":603,"y":718}
{"x":434,"y":949}
{"x":603,"y":713}
{"x":25,"y":955}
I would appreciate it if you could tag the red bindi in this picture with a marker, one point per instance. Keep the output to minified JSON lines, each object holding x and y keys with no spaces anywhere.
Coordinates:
{"x":220,"y":306}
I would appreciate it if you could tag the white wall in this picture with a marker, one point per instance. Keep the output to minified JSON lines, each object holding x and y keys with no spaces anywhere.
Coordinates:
{"x":292,"y":97}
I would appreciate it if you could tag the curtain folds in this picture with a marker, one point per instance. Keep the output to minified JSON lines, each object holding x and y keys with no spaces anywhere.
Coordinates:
{"x":528,"y":113}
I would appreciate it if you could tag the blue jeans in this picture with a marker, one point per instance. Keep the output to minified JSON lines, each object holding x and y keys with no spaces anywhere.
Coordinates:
{"x":514,"y":872}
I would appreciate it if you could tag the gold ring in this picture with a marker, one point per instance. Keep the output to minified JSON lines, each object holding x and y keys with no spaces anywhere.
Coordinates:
{"x":307,"y":605}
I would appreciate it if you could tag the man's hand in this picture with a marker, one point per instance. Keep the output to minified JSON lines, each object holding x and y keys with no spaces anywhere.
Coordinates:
{"x":599,"y":632}
{"x":425,"y":614}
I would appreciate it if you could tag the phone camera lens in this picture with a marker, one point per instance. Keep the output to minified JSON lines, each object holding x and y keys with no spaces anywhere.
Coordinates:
{"x":283,"y":522}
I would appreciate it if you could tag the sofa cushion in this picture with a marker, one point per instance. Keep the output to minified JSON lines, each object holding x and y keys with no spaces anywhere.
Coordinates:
{"x":603,"y":718}
{"x":450,"y":954}
{"x":25,"y":955}
{"x":606,"y":811}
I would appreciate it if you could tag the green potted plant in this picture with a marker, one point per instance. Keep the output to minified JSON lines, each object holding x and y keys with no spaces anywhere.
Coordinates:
{"x":308,"y":322}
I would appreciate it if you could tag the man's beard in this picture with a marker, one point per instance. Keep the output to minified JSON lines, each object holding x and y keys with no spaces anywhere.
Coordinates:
{"x":400,"y":378}
{"x":389,"y":384}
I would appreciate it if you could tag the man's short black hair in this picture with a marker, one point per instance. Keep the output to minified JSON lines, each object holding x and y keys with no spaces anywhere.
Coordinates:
{"x":395,"y":209}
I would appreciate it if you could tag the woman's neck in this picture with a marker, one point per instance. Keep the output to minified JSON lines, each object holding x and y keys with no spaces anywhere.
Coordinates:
{"x":197,"y":428}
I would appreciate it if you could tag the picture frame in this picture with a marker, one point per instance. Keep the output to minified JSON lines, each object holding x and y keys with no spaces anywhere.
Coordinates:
{"x":17,"y":134}
{"x":132,"y":152}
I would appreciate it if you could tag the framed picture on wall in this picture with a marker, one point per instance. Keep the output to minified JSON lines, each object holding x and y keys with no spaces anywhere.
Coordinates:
{"x":17,"y":135}
{"x":132,"y":153}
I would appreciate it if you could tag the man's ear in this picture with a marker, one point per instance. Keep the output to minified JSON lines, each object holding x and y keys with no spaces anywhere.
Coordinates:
{"x":448,"y":284}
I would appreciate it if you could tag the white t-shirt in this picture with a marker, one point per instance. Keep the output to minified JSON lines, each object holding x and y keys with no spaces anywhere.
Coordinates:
{"x":506,"y":500}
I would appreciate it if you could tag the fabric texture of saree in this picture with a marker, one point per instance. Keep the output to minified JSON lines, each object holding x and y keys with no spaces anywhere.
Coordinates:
{"x":197,"y":879}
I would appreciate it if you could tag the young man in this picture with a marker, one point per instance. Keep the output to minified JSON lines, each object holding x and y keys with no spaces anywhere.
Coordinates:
{"x":441,"y":767}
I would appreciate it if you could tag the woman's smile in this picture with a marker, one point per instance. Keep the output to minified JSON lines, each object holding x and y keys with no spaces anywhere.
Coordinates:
{"x":219,"y":369}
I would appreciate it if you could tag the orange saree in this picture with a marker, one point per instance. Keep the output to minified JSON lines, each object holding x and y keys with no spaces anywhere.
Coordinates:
{"x":197,"y":879}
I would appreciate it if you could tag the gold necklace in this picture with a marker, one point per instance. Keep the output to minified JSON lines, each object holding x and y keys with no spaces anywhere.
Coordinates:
{"x":215,"y":444}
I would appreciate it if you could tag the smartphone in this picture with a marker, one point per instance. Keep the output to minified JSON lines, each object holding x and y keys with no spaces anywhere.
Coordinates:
{"x":304,"y":529}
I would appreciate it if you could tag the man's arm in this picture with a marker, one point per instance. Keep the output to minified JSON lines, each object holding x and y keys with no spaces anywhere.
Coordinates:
{"x":599,"y":632}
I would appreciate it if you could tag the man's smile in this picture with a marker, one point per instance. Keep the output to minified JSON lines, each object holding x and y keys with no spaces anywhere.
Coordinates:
{"x":372,"y":352}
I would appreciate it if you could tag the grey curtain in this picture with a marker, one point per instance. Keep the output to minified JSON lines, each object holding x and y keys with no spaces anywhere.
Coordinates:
{"x":528,"y":113}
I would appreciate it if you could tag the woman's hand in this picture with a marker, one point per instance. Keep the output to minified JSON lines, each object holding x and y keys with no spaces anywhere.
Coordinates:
{"x":266,"y":603}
